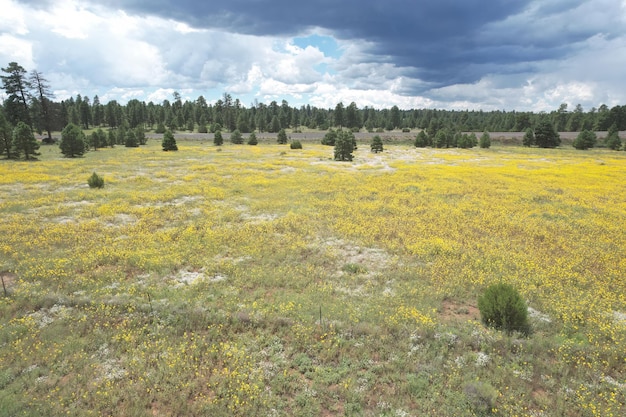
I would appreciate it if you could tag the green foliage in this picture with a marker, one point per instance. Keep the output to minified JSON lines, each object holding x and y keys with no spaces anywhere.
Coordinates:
{"x":24,"y":142}
{"x":330,"y":137}
{"x":16,"y":85}
{"x":585,"y":140}
{"x":282,"y":137}
{"x":441,"y":139}
{"x":344,"y":146}
{"x":421,"y":140}
{"x":546,"y":136}
{"x":202,"y":125}
{"x":169,"y":142}
{"x":5,"y":136}
{"x":111,"y":138}
{"x":481,"y":397}
{"x":236,"y":138}
{"x":467,"y":141}
{"x":130,"y":139}
{"x":218,"y":140}
{"x":354,"y":269}
{"x":377,"y":144}
{"x":502,"y":308}
{"x":296,"y":144}
{"x":485,"y":140}
{"x":252,"y":140}
{"x":97,"y":139}
{"x":140,"y":134}
{"x":613,"y":140}
{"x":72,"y":141}
{"x":95,"y":181}
{"x":529,"y":138}
{"x":160,"y":128}
{"x":215,"y":127}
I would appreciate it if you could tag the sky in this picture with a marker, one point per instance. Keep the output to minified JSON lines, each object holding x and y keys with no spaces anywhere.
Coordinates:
{"x":523,"y":55}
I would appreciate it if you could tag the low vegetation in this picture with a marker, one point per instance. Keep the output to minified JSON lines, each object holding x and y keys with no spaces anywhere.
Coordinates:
{"x":250,"y":280}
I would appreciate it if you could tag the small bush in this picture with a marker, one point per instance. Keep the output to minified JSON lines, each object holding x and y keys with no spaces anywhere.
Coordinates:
{"x":296,"y":145}
{"x":502,"y":308}
{"x":481,"y":397}
{"x":406,"y":130}
{"x":95,"y":181}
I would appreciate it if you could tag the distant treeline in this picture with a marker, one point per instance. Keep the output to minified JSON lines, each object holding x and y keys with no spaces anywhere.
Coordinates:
{"x":29,"y":99}
{"x":228,"y":114}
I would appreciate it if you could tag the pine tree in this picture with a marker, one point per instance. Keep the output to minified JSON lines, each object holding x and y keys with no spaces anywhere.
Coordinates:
{"x":131,"y":139}
{"x":613,"y":140}
{"x":236,"y":138}
{"x":377,"y":144}
{"x":72,"y":141}
{"x":282,"y":137}
{"x":24,"y":141}
{"x":344,"y":146}
{"x":529,"y":138}
{"x":330,"y":137}
{"x":546,"y":136}
{"x":16,"y":85}
{"x":6,"y":136}
{"x":585,"y":140}
{"x":169,"y":142}
{"x":252,"y":140}
{"x":421,"y":139}
{"x":218,"y":140}
{"x":485,"y":140}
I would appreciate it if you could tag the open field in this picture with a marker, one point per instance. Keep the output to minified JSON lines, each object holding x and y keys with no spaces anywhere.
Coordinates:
{"x":266,"y":281}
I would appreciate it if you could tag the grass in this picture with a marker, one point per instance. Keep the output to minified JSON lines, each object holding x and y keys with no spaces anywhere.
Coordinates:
{"x":264,"y":281}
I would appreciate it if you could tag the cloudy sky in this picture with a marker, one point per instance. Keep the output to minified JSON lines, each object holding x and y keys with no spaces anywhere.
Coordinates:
{"x":445,"y":54}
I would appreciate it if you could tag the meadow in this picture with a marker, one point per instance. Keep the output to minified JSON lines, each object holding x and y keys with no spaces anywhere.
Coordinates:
{"x":260,"y":280}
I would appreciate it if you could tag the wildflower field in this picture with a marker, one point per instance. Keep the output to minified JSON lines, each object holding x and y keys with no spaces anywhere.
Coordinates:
{"x":260,"y":280}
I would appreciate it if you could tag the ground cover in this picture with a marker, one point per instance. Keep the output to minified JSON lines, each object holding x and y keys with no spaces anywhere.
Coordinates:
{"x":260,"y":280}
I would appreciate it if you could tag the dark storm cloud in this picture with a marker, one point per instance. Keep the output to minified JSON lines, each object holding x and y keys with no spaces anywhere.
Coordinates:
{"x":441,"y":42}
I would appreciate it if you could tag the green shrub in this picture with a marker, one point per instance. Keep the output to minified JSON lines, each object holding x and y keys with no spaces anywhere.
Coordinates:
{"x":296,"y":145}
{"x":95,"y":181}
{"x":481,"y":397}
{"x":502,"y":308}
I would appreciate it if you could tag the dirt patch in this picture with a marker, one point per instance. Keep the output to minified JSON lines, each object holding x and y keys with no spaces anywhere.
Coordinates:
{"x":8,"y":279}
{"x":453,"y":311}
{"x":356,"y":259}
